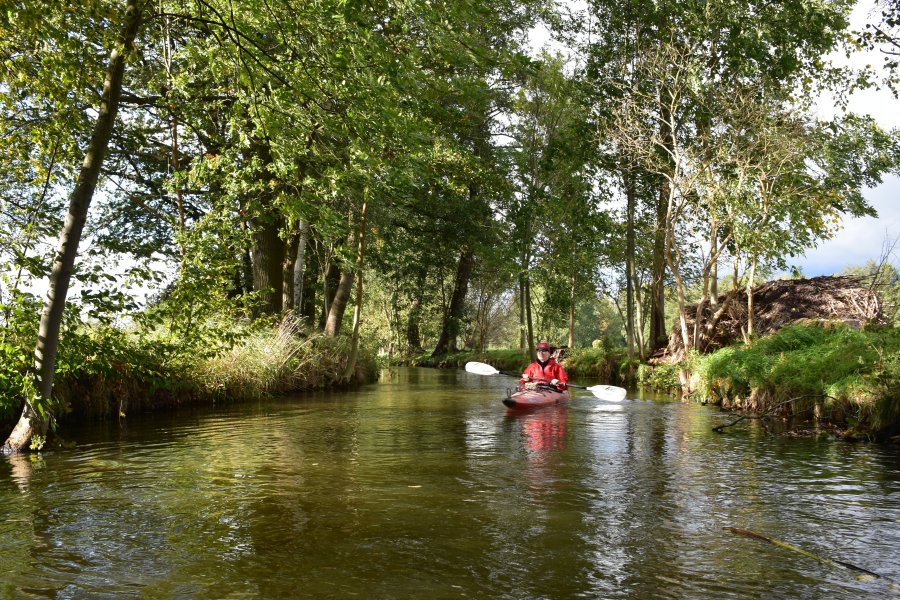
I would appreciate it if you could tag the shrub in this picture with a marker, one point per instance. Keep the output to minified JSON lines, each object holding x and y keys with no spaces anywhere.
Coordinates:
{"x":662,"y":377}
{"x":281,"y":359}
{"x":595,"y":363}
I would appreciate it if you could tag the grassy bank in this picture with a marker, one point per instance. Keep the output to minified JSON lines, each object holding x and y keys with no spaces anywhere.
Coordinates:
{"x":107,"y":372}
{"x":843,"y":376}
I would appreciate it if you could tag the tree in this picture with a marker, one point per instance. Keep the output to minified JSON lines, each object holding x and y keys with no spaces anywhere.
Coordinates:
{"x":557,"y":231}
{"x":884,"y":35}
{"x":33,"y":420}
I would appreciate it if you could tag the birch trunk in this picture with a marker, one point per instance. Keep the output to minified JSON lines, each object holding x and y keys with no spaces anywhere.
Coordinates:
{"x":357,"y":313}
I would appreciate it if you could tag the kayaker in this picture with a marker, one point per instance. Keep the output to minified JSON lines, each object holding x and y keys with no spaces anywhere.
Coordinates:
{"x":545,"y":369}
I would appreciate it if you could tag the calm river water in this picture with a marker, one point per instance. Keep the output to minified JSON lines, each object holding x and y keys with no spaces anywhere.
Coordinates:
{"x":422,"y":487}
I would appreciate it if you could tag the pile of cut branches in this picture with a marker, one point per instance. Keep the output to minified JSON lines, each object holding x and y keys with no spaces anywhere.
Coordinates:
{"x":846,"y":299}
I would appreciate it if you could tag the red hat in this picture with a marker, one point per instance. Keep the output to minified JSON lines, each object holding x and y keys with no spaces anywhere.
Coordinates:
{"x":544,"y":346}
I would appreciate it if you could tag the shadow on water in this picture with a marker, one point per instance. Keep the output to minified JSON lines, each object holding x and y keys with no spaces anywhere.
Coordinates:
{"x":424,"y":486}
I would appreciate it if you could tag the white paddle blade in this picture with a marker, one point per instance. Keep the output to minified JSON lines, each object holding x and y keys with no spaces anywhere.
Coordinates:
{"x":610,"y":393}
{"x":481,"y":368}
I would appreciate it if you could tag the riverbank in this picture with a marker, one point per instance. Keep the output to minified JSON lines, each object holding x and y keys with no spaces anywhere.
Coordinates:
{"x":829,"y":375}
{"x":106,"y":372}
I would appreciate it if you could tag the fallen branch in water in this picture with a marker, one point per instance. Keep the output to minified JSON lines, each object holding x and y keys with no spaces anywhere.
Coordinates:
{"x":765,"y":413}
{"x":786,"y":546}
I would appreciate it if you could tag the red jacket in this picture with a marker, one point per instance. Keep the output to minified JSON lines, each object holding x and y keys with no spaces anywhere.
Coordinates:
{"x":550,"y":370}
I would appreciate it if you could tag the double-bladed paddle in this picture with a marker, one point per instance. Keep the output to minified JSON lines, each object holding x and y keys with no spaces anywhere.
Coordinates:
{"x":604,"y":392}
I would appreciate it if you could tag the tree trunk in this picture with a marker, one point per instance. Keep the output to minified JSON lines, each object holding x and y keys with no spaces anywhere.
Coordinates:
{"x":674,"y":262}
{"x":245,"y":273}
{"x":658,"y":333}
{"x":529,"y":320}
{"x":339,"y":304}
{"x":629,"y":263}
{"x":639,"y":321}
{"x":748,"y":339}
{"x":451,"y":326}
{"x":714,"y":276}
{"x":572,"y":314}
{"x":268,"y":256}
{"x":288,"y":273}
{"x":311,"y":272}
{"x":357,"y":313}
{"x":300,"y":268}
{"x":413,"y":338}
{"x":523,"y":327}
{"x":31,"y":421}
{"x":330,"y":284}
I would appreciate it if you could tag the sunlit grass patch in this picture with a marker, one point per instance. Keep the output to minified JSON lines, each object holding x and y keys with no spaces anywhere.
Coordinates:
{"x":852,"y":374}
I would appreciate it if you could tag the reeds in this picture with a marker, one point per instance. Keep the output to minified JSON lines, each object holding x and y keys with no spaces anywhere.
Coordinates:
{"x":276,"y":360}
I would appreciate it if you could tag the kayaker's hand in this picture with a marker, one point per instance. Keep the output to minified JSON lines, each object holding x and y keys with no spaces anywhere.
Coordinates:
{"x":554,"y":381}
{"x":526,"y":377}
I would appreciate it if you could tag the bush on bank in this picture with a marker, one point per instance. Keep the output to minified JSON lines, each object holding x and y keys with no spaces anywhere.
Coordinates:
{"x":610,"y":366}
{"x":103,"y":370}
{"x":660,"y":377}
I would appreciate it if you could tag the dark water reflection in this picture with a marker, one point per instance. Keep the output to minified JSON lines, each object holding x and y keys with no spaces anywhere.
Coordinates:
{"x":421,"y":486}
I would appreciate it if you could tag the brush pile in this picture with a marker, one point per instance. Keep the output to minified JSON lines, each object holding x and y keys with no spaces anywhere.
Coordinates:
{"x":850,"y":300}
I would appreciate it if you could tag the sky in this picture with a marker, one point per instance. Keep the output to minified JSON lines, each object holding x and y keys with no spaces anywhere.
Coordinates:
{"x":861,"y":239}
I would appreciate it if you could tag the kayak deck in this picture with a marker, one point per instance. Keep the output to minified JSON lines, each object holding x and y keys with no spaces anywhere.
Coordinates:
{"x":542,"y":396}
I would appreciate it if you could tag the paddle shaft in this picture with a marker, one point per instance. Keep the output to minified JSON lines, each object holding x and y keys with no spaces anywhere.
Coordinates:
{"x":571,"y":385}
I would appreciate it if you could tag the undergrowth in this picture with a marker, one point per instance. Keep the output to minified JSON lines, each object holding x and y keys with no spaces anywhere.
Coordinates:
{"x":104,"y":369}
{"x":601,"y":364}
{"x":837,"y":366}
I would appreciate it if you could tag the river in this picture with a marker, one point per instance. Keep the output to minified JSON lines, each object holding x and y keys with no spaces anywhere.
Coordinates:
{"x":421,"y":486}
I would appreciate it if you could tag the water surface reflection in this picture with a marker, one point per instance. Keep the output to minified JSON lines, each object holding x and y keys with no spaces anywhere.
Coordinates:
{"x":423,"y":485}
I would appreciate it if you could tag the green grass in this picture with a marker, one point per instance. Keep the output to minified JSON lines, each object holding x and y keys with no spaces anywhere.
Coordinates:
{"x":104,"y":370}
{"x":853,"y":372}
{"x":278,"y":360}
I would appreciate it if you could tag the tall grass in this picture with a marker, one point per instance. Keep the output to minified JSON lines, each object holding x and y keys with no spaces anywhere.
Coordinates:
{"x":106,"y":371}
{"x":278,"y":360}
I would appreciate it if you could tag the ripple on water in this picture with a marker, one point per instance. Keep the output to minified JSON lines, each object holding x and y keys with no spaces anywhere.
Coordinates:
{"x":425,"y":487}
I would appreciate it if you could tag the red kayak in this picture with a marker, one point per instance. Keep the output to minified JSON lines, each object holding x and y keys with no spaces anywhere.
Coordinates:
{"x":542,"y":396}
